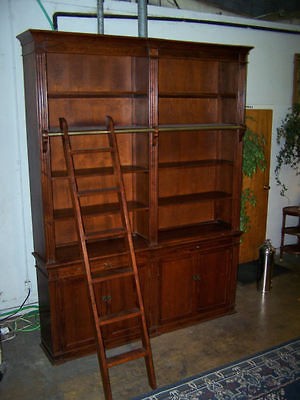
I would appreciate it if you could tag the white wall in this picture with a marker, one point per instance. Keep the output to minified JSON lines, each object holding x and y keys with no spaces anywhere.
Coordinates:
{"x":270,"y":80}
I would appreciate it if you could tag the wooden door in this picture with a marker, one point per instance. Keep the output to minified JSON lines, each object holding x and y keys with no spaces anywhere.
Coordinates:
{"x":177,"y":287}
{"x":212,"y":290}
{"x":259,"y":121}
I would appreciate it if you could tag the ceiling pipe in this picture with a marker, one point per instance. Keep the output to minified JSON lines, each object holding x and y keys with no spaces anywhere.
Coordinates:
{"x":254,"y":26}
{"x":100,"y":17}
{"x":142,"y":18}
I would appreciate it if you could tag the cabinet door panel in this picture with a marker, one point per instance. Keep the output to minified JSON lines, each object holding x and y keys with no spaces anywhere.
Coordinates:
{"x":119,"y":295}
{"x":113,"y":297}
{"x":73,"y":318}
{"x":176,"y":288}
{"x":212,"y":290}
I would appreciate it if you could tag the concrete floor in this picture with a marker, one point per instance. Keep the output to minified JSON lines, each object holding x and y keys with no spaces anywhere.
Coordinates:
{"x":261,"y":321}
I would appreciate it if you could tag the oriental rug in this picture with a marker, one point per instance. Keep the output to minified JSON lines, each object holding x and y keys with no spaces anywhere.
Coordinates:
{"x":270,"y":375}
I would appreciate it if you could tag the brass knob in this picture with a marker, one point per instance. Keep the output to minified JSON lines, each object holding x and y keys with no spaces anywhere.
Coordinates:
{"x":106,"y":299}
{"x":267,"y":187}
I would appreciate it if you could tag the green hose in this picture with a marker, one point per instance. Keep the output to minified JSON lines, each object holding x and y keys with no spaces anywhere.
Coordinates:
{"x":46,"y":14}
{"x":27,"y":322}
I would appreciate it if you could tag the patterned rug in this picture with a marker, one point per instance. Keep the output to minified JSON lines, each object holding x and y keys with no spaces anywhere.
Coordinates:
{"x":271,"y":375}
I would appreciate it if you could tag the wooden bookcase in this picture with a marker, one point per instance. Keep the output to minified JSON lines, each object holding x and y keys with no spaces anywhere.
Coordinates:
{"x":178,"y":109}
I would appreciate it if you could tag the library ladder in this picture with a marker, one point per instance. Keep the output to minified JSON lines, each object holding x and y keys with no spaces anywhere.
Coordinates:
{"x":124,"y":232}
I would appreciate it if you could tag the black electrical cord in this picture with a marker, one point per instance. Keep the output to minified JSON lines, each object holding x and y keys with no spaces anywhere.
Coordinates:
{"x":18,"y":310}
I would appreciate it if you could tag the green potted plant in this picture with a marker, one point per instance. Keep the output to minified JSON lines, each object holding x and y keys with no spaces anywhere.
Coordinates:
{"x":253,"y":159}
{"x":288,"y":136}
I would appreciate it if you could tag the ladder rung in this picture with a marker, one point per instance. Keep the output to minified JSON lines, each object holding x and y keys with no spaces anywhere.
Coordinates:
{"x":120,"y":272}
{"x":118,"y":317}
{"x":106,"y":234}
{"x":125,"y":357}
{"x":91,"y":192}
{"x":92,"y":150}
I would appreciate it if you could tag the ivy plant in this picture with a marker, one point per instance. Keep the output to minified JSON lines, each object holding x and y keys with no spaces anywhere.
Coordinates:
{"x":253,"y":160}
{"x":288,"y":136}
{"x":247,"y":197}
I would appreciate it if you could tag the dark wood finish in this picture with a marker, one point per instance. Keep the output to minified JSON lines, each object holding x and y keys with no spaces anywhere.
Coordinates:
{"x":178,"y":109}
{"x":294,"y":230}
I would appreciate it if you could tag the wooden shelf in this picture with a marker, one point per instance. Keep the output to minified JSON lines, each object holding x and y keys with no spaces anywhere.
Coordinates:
{"x":203,"y":231}
{"x":194,"y":164}
{"x":104,"y":248}
{"x":192,"y":198}
{"x":291,"y":248}
{"x":199,"y":127}
{"x":126,"y":169}
{"x":291,"y":211}
{"x":292,"y":230}
{"x":188,"y":95}
{"x":99,"y":209}
{"x":96,"y":95}
{"x":196,"y":95}
{"x":70,"y":253}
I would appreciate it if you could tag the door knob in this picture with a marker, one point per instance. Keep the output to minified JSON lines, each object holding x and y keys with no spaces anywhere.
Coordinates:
{"x":267,"y":187}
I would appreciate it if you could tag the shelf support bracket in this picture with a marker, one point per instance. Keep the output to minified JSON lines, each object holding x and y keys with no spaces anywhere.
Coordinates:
{"x":242,"y":131}
{"x":155,"y":136}
{"x":45,"y":141}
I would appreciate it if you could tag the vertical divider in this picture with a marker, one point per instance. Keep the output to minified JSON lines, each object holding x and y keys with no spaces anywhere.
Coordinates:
{"x":240,"y":118}
{"x":45,"y":156}
{"x":153,"y":145}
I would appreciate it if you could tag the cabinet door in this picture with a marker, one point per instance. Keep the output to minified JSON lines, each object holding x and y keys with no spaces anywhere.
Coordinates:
{"x":73,"y":327}
{"x":118,"y":295}
{"x":177,"y":287}
{"x":72,"y":320}
{"x":194,"y":281}
{"x":213,"y":279}
{"x":113,"y":297}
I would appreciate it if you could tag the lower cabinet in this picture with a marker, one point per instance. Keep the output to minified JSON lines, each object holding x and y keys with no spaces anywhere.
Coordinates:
{"x":181,"y":285}
{"x":194,"y":283}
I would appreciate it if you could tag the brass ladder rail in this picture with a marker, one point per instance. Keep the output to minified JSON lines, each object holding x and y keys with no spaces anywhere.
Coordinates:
{"x":159,"y":128}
